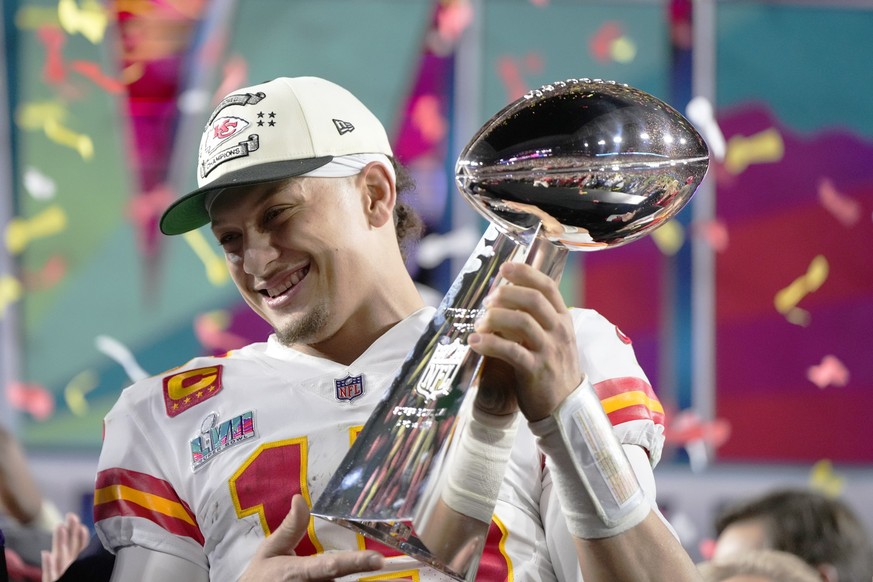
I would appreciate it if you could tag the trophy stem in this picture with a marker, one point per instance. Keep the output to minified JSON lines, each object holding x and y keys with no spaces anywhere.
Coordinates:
{"x":388,"y":485}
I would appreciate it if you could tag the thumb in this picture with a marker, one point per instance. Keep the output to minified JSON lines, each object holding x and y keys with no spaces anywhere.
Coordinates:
{"x":289,"y":533}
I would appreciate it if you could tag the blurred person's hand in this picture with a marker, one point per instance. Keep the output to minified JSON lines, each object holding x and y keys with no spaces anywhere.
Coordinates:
{"x":69,"y":538}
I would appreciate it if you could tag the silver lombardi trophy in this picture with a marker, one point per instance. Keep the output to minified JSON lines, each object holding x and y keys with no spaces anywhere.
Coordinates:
{"x":576,"y":165}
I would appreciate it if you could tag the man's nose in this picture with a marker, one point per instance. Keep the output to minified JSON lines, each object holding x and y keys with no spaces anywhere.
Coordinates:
{"x":259,"y":253}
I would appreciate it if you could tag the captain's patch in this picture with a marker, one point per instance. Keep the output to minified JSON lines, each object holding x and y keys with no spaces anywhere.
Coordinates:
{"x":190,"y":388}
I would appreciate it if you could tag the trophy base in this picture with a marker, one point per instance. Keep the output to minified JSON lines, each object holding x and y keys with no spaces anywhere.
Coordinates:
{"x":399,"y":536}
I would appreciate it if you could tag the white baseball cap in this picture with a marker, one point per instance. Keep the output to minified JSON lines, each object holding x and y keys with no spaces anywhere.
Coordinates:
{"x":282,"y":128}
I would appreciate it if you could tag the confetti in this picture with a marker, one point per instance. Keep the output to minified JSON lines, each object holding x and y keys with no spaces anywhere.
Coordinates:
{"x":600,"y":44}
{"x":427,"y":118}
{"x":236,"y":71}
{"x":10,"y":292}
{"x":122,"y":355}
{"x":216,"y":270}
{"x":210,"y":329}
{"x":65,"y":136}
{"x":763,"y":147}
{"x":823,"y":478}
{"x":816,"y":274}
{"x":76,"y":391}
{"x":93,"y":72}
{"x":31,"y":398}
{"x":51,"y":273}
{"x":511,"y":73}
{"x":453,"y":19}
{"x":697,"y":436}
{"x":700,"y":112}
{"x":53,"y":70}
{"x":845,"y":209}
{"x":144,"y":208}
{"x":38,"y":185}
{"x":20,"y":232}
{"x":830,"y":372}
{"x":35,"y":17}
{"x":90,"y":19}
{"x":669,"y":237}
{"x":713,"y":232}
{"x":623,"y":50}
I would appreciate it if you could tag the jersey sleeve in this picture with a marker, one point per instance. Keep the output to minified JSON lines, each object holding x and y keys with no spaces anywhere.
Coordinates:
{"x":135,"y":500}
{"x":607,"y":358}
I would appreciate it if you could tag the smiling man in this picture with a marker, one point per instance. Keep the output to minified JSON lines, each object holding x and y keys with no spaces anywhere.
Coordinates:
{"x":208,"y":470}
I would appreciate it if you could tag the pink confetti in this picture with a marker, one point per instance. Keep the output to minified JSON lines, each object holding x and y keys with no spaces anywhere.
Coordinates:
{"x":453,"y":19}
{"x":844,"y":208}
{"x":831,"y":372}
{"x":236,"y":71}
{"x":600,"y":44}
{"x":707,"y":548}
{"x":212,"y":335}
{"x":31,"y":398}
{"x":428,"y":119}
{"x":713,"y":232}
{"x":145,"y":207}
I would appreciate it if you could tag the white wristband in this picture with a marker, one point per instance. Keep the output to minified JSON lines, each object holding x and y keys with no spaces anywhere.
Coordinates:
{"x":479,"y":464}
{"x":594,"y":481}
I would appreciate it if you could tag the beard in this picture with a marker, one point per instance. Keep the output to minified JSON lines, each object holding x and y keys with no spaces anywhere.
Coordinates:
{"x":305,"y":330}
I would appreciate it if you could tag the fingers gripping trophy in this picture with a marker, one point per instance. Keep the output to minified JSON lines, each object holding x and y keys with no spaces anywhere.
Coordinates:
{"x":577,"y":165}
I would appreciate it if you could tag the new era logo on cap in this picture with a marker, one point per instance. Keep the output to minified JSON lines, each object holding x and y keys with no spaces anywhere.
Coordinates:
{"x":343,"y":126}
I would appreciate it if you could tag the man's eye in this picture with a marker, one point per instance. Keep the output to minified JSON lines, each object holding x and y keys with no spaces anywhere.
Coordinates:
{"x":273,"y":213}
{"x":226,"y":239}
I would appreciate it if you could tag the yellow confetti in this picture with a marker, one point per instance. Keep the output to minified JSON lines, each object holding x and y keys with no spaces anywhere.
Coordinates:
{"x":34,"y":17}
{"x":669,"y":237}
{"x":90,"y":20}
{"x":35,"y":114}
{"x":77,"y":389}
{"x":623,"y":50}
{"x":763,"y":147}
{"x":67,"y":137}
{"x":823,"y":478}
{"x":816,"y":274}
{"x":10,"y":292}
{"x":216,"y":270}
{"x":20,"y":232}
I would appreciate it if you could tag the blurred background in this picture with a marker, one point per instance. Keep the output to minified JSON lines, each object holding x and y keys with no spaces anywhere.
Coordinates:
{"x":752,"y":311}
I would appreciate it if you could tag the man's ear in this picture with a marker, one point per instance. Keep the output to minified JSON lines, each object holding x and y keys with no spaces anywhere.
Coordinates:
{"x":381,"y":194}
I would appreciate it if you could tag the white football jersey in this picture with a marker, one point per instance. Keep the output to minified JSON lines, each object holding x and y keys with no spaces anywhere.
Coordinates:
{"x":202,"y":461}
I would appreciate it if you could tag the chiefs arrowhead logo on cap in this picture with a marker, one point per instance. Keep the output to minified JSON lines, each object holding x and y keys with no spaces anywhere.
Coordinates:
{"x":189,"y":388}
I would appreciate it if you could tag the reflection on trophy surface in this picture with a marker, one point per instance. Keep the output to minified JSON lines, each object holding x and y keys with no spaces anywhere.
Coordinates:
{"x":575,"y":165}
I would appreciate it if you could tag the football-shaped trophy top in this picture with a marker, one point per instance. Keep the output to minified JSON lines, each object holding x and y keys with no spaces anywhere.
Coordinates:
{"x":598,"y":163}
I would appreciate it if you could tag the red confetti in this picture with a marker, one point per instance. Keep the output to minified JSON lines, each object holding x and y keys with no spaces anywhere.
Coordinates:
{"x":92,"y":71}
{"x":53,"y":38}
{"x":600,"y":44}
{"x":687,"y":427}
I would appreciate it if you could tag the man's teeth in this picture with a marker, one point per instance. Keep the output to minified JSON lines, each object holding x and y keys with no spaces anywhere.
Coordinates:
{"x":290,"y":282}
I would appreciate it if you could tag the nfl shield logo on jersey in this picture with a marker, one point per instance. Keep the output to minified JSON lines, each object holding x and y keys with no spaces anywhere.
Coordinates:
{"x":349,"y":387}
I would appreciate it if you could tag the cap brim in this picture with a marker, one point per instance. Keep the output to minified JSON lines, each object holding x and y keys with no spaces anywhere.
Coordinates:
{"x":189,"y":212}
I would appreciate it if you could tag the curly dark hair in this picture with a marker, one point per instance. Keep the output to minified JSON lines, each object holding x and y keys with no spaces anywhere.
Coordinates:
{"x":407,"y":223}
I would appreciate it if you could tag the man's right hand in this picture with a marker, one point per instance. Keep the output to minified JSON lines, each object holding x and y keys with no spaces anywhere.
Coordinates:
{"x":276,"y":560}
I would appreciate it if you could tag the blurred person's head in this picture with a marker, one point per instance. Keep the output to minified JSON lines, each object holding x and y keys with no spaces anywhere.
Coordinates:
{"x":823,"y":531}
{"x":758,"y":566}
